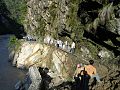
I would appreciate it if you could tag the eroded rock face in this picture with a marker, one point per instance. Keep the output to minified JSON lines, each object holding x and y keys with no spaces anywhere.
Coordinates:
{"x":61,"y":65}
{"x":43,"y":55}
{"x":70,"y":19}
{"x":118,"y":26}
{"x":51,"y":16}
{"x":46,"y":15}
{"x":104,"y":54}
{"x":85,"y":53}
{"x":35,"y":78}
{"x":110,"y":82}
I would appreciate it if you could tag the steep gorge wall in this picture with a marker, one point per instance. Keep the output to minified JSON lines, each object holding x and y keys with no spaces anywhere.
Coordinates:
{"x":47,"y":17}
{"x":82,"y":21}
{"x":42,"y":55}
{"x":70,"y":16}
{"x":72,"y":20}
{"x":87,"y":22}
{"x":12,"y":15}
{"x":90,"y":23}
{"x":62,"y":65}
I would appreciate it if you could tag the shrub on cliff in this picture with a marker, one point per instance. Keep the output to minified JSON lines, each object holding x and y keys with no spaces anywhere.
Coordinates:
{"x":18,"y":9}
{"x":14,"y":43}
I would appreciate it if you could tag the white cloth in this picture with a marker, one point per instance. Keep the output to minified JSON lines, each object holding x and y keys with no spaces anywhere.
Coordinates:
{"x":51,"y":41}
{"x":55,"y":43}
{"x":47,"y":39}
{"x":64,"y":48}
{"x":60,"y":43}
{"x":66,"y":43}
{"x":73,"y":45}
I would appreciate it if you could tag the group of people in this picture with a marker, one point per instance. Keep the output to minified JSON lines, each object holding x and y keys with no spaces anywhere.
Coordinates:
{"x":83,"y":74}
{"x":60,"y":44}
{"x":29,"y":38}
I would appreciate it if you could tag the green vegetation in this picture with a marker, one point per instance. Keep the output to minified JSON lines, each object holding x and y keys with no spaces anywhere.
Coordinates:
{"x":94,"y":48}
{"x":53,"y":19}
{"x":104,"y":16}
{"x":73,"y":21}
{"x":18,"y":9}
{"x":75,"y":28}
{"x":53,"y":12}
{"x":39,"y":32}
{"x":14,"y":43}
{"x":3,"y":11}
{"x":3,"y":8}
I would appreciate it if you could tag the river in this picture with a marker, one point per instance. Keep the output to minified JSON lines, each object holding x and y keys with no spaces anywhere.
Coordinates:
{"x":8,"y":75}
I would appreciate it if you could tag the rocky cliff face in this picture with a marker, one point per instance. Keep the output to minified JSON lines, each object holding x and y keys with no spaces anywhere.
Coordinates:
{"x":42,"y":55}
{"x":48,"y":16}
{"x":10,"y":21}
{"x":92,"y":24}
{"x":61,"y":66}
{"x":76,"y":20}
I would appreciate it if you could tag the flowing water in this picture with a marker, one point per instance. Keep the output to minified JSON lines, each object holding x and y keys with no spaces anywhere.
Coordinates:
{"x":9,"y":75}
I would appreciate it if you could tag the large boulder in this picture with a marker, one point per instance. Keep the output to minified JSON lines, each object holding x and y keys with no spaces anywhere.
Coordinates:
{"x":35,"y":78}
{"x":104,"y":54}
{"x":42,"y":55}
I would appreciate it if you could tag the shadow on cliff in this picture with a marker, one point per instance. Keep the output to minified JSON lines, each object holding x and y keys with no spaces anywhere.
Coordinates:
{"x":46,"y":79}
{"x":113,"y":77}
{"x":8,"y":25}
{"x":69,"y":85}
{"x":101,"y":35}
{"x":64,"y":86}
{"x":115,"y":2}
{"x":12,"y":27}
{"x":88,"y":11}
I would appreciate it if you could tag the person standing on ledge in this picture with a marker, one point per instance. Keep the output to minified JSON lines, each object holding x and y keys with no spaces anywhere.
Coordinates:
{"x":91,"y":71}
{"x":72,"y":47}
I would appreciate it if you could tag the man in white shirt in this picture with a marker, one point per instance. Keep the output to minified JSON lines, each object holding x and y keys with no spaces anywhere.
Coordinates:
{"x":66,"y":45}
{"x":60,"y":44}
{"x":72,"y":47}
{"x":51,"y":40}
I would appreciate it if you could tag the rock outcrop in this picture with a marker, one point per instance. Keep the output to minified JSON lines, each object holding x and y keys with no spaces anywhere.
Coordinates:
{"x":61,"y":65}
{"x":92,"y":24}
{"x":46,"y":16}
{"x":35,"y":78}
{"x":42,"y":55}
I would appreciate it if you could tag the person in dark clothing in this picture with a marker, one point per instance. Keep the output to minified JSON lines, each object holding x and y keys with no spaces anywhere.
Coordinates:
{"x":46,"y":79}
{"x":77,"y":77}
{"x":77,"y":83}
{"x":84,"y":80}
